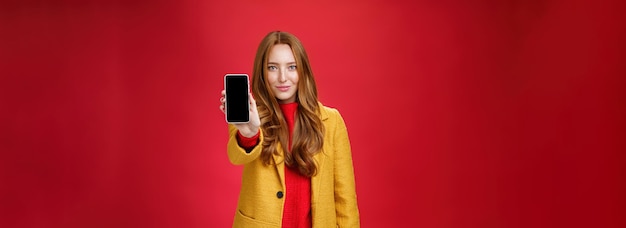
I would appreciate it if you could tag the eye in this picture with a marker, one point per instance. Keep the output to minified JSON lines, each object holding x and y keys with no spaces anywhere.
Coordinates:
{"x":292,"y":67}
{"x":272,"y":68}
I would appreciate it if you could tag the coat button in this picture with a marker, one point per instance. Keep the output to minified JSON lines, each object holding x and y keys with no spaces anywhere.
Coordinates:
{"x":279,"y":194}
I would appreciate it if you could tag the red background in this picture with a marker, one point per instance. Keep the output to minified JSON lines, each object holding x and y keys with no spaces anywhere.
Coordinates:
{"x":461,"y":113}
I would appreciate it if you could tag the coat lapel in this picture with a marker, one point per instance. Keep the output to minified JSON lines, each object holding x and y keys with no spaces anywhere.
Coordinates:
{"x":320,"y":158}
{"x":280,"y":165}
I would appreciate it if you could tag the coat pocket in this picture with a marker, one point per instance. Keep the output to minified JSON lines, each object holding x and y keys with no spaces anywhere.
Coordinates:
{"x":243,"y":220}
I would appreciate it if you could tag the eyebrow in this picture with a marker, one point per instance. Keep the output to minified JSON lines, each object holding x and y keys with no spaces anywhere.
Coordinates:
{"x":274,"y":63}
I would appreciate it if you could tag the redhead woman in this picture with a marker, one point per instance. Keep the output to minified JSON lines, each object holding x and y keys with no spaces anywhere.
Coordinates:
{"x":295,"y":151}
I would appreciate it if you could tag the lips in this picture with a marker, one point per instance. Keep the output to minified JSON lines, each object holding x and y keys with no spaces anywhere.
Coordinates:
{"x":283,"y":88}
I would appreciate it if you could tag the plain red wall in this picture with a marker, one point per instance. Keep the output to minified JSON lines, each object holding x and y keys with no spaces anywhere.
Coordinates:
{"x":461,"y":113}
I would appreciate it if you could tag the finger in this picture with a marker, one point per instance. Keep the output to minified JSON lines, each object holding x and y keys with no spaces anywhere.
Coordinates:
{"x":251,"y":96}
{"x":222,"y":109}
{"x":252,"y":101}
{"x":223,"y":97}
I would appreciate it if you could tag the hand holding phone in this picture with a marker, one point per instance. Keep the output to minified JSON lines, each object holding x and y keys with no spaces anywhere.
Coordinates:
{"x":239,"y":105}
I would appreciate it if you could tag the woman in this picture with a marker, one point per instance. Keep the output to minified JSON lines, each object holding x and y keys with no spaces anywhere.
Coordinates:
{"x":296,"y":153}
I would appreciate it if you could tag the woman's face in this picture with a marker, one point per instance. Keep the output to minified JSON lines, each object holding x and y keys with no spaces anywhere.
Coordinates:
{"x":282,"y":74}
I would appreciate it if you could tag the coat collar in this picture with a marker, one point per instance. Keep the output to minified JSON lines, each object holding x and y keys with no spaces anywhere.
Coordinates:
{"x":323,"y":111}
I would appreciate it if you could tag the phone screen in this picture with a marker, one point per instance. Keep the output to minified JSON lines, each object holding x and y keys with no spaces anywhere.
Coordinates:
{"x":236,"y":98}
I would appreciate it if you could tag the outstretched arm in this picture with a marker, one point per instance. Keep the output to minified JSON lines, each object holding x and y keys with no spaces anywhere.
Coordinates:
{"x":236,"y":153}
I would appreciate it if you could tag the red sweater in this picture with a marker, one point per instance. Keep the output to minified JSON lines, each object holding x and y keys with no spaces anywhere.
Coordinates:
{"x":297,"y":207}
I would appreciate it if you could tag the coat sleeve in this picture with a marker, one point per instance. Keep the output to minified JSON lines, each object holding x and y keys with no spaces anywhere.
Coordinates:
{"x":238,"y":155}
{"x":345,"y":191}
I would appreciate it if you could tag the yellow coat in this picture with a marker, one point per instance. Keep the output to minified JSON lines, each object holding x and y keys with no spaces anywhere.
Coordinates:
{"x":333,"y":195}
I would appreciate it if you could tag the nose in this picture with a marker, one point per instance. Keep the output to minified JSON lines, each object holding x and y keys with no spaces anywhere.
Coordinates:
{"x":282,"y":75}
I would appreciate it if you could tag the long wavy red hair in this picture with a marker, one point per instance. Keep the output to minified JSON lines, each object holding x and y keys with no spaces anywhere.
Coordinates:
{"x":308,"y":132}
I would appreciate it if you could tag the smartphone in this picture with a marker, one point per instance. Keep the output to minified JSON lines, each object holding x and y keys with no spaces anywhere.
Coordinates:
{"x":237,"y":104}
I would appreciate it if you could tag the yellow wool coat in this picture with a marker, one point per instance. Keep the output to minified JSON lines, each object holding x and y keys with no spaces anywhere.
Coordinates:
{"x":333,"y":195}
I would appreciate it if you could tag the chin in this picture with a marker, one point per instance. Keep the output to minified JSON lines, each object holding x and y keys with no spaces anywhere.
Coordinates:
{"x":283,"y":97}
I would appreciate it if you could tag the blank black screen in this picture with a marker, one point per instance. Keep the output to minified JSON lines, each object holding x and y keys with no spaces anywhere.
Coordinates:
{"x":237,"y":98}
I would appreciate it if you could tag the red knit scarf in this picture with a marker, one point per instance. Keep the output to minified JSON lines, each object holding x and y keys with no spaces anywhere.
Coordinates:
{"x":297,"y":210}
